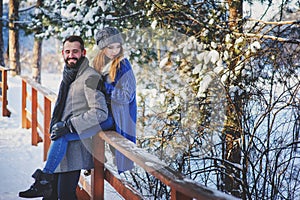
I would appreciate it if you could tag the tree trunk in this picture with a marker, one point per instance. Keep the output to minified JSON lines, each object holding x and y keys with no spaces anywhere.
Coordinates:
{"x":232,"y":127}
{"x":2,"y":63}
{"x":14,"y":54}
{"x":37,"y":53}
{"x":37,"y":58}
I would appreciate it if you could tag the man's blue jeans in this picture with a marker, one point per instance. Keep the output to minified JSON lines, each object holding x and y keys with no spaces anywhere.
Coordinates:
{"x":58,"y":147}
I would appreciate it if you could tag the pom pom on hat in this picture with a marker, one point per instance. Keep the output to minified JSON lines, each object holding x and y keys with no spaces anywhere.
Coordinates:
{"x":108,"y":35}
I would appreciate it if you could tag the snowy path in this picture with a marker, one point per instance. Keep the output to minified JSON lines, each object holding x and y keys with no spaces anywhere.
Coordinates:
{"x":18,"y":158}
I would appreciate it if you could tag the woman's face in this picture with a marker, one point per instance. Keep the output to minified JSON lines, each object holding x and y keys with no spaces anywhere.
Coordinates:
{"x":112,"y":50}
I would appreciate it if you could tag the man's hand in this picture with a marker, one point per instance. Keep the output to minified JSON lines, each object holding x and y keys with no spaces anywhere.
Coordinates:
{"x":59,"y":129}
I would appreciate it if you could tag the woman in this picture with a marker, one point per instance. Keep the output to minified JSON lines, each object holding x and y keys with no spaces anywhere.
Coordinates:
{"x":120,"y":86}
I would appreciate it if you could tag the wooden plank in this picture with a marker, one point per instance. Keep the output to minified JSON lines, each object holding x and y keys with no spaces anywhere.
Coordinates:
{"x":5,"y":111}
{"x":24,"y":99}
{"x":97,"y":181}
{"x":47,"y":119}
{"x":34,"y":123}
{"x":82,"y":194}
{"x":122,"y":187}
{"x":160,"y":170}
{"x":28,"y":117}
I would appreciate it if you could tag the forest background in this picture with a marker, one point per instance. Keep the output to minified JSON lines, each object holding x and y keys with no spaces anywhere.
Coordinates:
{"x":218,"y":88}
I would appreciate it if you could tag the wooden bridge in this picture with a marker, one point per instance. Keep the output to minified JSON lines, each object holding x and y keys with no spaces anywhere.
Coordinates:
{"x":37,"y":117}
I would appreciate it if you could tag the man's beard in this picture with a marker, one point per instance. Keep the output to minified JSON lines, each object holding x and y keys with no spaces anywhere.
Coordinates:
{"x":73,"y":64}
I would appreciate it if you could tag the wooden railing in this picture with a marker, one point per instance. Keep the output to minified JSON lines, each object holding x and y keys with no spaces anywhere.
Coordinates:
{"x":32,"y":109}
{"x":181,"y":188}
{"x":3,"y":91}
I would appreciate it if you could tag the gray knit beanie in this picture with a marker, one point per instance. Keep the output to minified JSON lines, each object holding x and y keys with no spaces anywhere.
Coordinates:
{"x":108,"y":35}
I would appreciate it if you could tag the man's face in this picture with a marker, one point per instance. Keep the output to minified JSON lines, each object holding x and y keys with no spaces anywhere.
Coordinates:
{"x":72,"y":53}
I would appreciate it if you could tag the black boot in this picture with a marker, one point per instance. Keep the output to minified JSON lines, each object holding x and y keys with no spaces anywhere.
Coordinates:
{"x":41,"y":187}
{"x":54,"y":195}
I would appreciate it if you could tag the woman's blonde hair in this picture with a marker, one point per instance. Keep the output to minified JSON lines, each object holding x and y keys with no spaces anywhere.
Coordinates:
{"x":99,"y":63}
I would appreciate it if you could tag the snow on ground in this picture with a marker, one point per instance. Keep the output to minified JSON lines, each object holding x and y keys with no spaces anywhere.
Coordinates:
{"x":18,"y":158}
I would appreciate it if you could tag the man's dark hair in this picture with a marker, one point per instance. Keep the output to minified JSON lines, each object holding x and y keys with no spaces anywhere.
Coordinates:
{"x":75,"y":38}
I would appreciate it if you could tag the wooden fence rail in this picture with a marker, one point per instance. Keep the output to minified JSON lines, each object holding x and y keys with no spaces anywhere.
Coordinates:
{"x":3,"y":91}
{"x":31,"y":91}
{"x":181,"y":188}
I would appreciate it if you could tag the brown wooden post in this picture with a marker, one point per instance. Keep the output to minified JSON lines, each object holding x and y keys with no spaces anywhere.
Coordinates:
{"x":25,"y":123}
{"x":97,"y":179}
{"x":47,"y":118}
{"x":5,"y":111}
{"x":34,"y":122}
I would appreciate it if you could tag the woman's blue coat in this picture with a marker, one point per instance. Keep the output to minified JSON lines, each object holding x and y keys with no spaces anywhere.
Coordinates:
{"x":122,"y":97}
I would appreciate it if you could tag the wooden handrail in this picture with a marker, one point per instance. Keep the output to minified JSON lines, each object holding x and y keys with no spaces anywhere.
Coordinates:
{"x":181,"y":187}
{"x":3,"y":91}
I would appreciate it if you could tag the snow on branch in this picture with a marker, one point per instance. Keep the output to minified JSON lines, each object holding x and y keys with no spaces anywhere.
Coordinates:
{"x":276,"y":23}
{"x":260,"y":36}
{"x":27,"y":8}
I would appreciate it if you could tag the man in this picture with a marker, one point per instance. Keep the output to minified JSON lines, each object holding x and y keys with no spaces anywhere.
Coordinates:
{"x":79,"y":109}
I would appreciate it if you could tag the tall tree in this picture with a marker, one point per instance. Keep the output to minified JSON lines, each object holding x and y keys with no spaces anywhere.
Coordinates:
{"x":233,"y":124}
{"x":14,"y":54}
{"x":37,"y":60}
{"x":37,"y":49}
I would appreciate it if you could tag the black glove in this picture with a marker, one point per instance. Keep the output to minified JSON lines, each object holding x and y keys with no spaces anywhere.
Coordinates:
{"x":61,"y":128}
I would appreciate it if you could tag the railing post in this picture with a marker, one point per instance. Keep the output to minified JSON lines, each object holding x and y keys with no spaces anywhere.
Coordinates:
{"x":25,"y":123}
{"x":47,"y":118}
{"x":34,"y":122}
{"x":97,"y":179}
{"x":5,"y":111}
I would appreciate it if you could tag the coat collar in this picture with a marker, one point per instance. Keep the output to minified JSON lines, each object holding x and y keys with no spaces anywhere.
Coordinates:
{"x":83,"y":66}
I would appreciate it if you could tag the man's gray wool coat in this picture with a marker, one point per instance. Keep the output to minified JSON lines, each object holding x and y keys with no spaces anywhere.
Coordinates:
{"x":88,"y":108}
